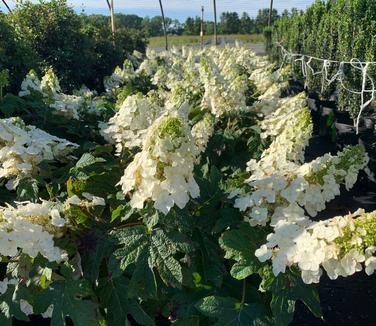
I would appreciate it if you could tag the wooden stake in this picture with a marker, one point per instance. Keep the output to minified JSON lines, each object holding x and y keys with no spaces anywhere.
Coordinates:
{"x":110,"y":4}
{"x":215,"y":23}
{"x":164,"y":25}
{"x":270,"y":13}
{"x":202,"y":27}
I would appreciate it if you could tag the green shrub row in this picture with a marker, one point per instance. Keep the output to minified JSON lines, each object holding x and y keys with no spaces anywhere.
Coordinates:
{"x":50,"y":34}
{"x":337,"y":30}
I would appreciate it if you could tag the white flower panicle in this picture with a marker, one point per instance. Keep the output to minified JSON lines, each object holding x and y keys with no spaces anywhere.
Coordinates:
{"x":119,"y":76}
{"x":286,"y":110}
{"x":163,"y":171}
{"x":23,"y":147}
{"x":215,"y":77}
{"x":31,"y":228}
{"x":326,"y":174}
{"x":70,"y":106}
{"x":264,"y":78}
{"x":268,"y":102}
{"x":50,"y":83}
{"x":309,"y":186}
{"x":341,"y":246}
{"x":287,"y":149}
{"x":31,"y":83}
{"x":202,"y":131}
{"x":221,"y":96}
{"x":152,"y":62}
{"x":128,"y":127}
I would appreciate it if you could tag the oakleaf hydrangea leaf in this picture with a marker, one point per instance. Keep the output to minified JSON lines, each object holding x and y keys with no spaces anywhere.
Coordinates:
{"x":67,"y":298}
{"x":240,"y":245}
{"x":152,"y":249}
{"x":229,"y":312}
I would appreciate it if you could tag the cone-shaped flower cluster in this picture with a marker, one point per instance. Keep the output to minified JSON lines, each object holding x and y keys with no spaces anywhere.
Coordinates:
{"x":23,"y":147}
{"x":163,"y":170}
{"x":31,"y":228}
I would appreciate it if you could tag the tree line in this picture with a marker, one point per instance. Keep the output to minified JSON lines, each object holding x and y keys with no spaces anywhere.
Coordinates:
{"x":82,"y":49}
{"x":229,"y":23}
{"x":78,"y":47}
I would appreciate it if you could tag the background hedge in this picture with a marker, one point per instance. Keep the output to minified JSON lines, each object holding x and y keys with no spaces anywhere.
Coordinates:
{"x":50,"y":34}
{"x":337,"y":30}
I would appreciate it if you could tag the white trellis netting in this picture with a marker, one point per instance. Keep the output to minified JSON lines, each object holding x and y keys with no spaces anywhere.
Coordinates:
{"x":362,"y":66}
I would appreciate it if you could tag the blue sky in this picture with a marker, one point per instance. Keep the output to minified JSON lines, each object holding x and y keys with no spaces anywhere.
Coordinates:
{"x":181,"y":9}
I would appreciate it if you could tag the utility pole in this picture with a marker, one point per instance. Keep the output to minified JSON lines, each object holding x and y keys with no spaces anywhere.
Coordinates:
{"x":215,"y":23}
{"x":202,"y":27}
{"x":110,"y":4}
{"x":270,"y":13}
{"x":164,"y":25}
{"x":6,"y":5}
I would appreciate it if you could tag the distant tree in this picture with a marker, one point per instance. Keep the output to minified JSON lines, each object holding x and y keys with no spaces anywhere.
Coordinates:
{"x":156,"y":26}
{"x":175,"y":27}
{"x":16,"y":54}
{"x":189,"y":26}
{"x":129,"y":21}
{"x":78,"y":47}
{"x":229,"y":23}
{"x":295,"y":12}
{"x":285,"y":13}
{"x":192,"y":26}
{"x":262,"y":19}
{"x":146,"y":21}
{"x":209,"y":28}
{"x":54,"y":31}
{"x":247,"y":25}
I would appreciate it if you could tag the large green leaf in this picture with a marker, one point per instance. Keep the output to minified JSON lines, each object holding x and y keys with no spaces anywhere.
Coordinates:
{"x":67,"y":297}
{"x":193,"y":321}
{"x":95,"y":247}
{"x":286,"y":289}
{"x":283,"y":309}
{"x":143,"y":282}
{"x":95,"y":175}
{"x":113,"y":294}
{"x":240,"y":245}
{"x":87,"y":160}
{"x":149,"y":249}
{"x":27,"y":189}
{"x":10,"y":305}
{"x":230,"y":312}
{"x":212,"y":264}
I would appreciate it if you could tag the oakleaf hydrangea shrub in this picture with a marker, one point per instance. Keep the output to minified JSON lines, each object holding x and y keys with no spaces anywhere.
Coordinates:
{"x":158,"y":200}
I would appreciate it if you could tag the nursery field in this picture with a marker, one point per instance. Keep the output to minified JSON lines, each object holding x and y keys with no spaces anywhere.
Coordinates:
{"x":183,"y":40}
{"x":203,"y":187}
